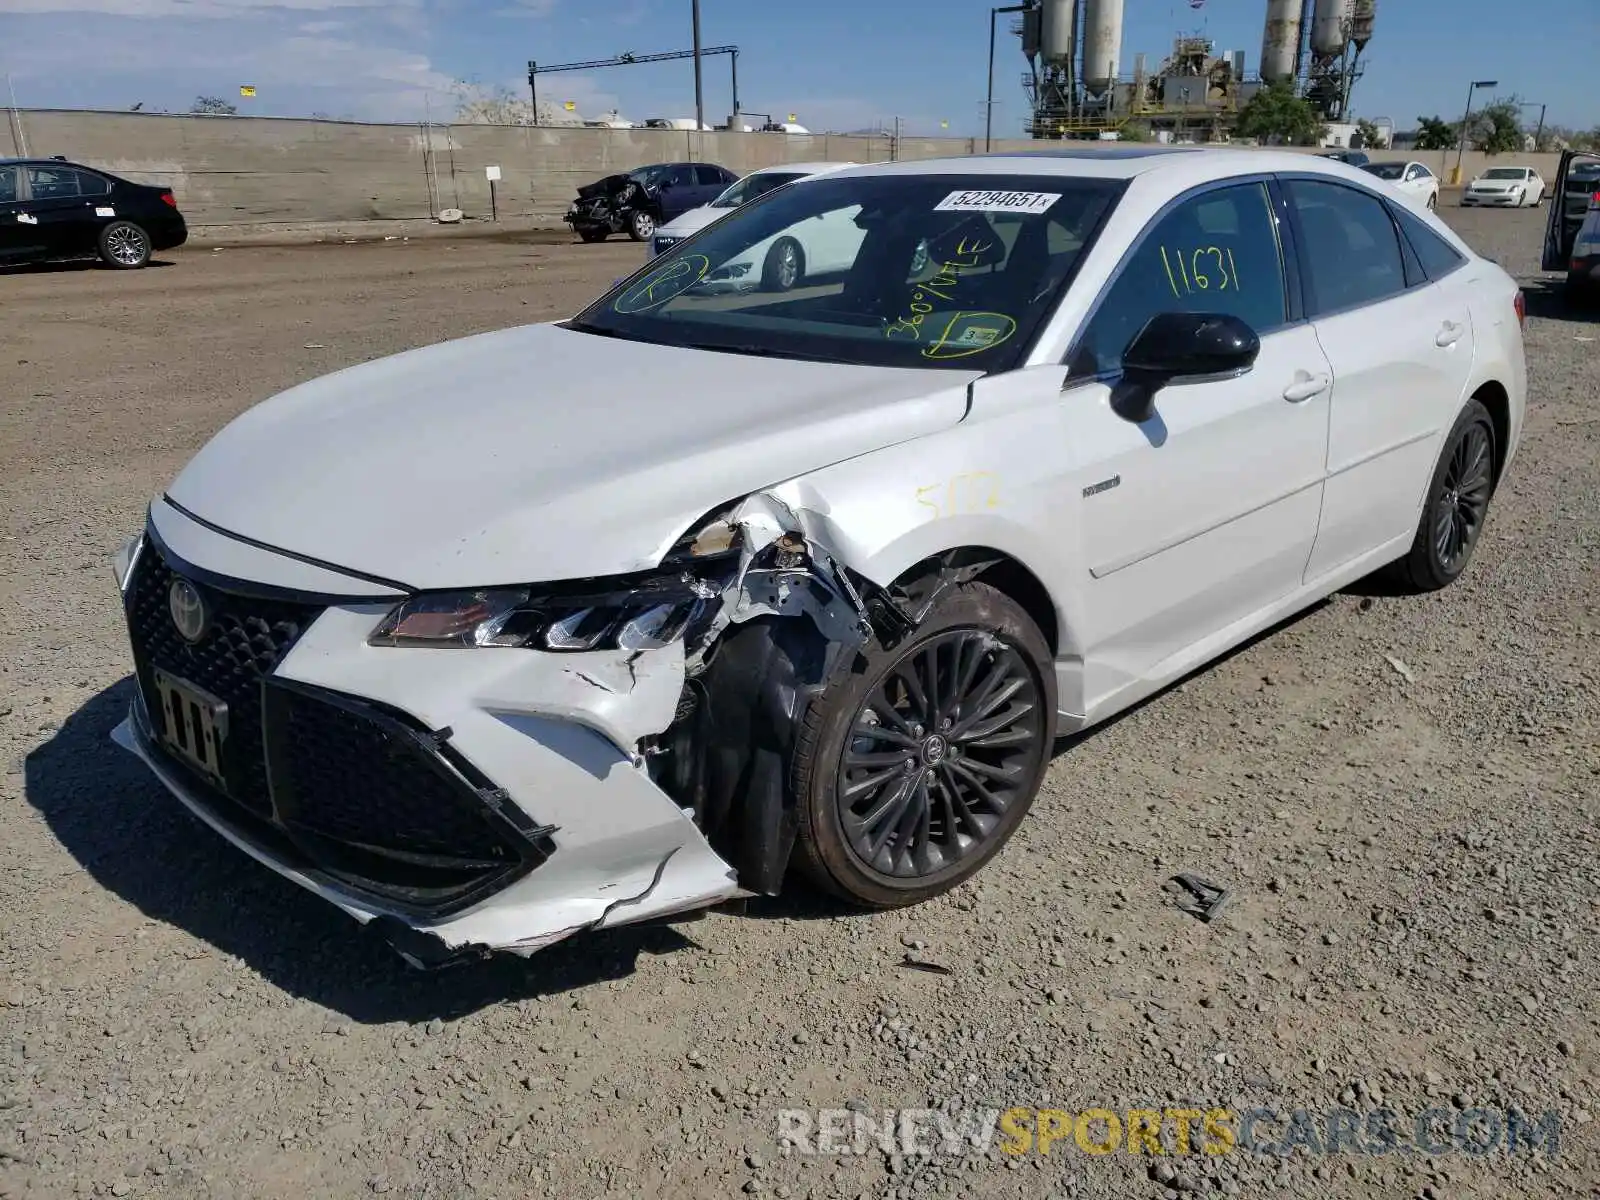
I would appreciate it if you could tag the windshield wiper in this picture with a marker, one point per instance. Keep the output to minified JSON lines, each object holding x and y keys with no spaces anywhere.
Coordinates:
{"x":741,"y":348}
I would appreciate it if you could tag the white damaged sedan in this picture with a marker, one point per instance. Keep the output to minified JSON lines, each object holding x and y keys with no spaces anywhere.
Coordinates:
{"x":611,"y":619}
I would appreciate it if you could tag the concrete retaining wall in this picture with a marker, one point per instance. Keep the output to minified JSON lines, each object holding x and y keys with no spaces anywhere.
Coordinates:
{"x":242,"y":171}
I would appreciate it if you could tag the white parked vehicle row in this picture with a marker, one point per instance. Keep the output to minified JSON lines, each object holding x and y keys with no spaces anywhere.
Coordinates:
{"x":1505,"y":187}
{"x":586,"y":623}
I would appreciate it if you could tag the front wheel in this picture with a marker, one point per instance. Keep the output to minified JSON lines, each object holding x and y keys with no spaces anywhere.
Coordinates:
{"x":124,"y":246}
{"x":641,"y":225}
{"x":592,"y":235}
{"x":784,"y":267}
{"x":916,"y":769}
{"x":1456,"y":507}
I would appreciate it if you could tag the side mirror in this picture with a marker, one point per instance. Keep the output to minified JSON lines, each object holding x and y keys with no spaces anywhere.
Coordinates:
{"x":1180,"y":347}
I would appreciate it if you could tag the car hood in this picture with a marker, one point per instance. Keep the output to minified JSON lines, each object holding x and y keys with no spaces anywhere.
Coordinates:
{"x":539,"y":453}
{"x":692,"y":221}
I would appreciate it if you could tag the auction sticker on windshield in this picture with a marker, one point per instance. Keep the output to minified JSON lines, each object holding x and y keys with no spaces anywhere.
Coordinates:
{"x":984,"y":201}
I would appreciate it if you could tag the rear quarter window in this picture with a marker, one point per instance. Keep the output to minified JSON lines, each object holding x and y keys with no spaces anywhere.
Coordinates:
{"x":1438,"y":257}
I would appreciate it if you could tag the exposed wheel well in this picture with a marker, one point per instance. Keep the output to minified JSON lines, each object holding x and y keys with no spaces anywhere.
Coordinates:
{"x":999,"y":571}
{"x":1494,"y":398}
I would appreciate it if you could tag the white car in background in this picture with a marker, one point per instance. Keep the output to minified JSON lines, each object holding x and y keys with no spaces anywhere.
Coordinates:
{"x":1411,"y":179}
{"x":827,"y":245}
{"x":1505,"y":187}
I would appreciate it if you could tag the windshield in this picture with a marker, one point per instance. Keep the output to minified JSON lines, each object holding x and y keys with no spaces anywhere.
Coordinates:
{"x":752,"y":186}
{"x":648,"y":176}
{"x":885,"y":270}
{"x":1386,"y":170}
{"x":1506,"y":173}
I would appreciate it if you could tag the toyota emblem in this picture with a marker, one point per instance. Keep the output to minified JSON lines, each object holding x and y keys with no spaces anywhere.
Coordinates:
{"x":188,"y":609}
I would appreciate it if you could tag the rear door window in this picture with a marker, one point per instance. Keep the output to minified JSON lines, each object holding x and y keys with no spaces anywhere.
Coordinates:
{"x":8,"y":185}
{"x":52,"y":183}
{"x":1350,"y":246}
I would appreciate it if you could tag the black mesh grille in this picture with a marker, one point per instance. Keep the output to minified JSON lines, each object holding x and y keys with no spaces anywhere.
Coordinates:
{"x":357,"y":780}
{"x":246,"y":641}
{"x":374,"y":800}
{"x":357,"y":792}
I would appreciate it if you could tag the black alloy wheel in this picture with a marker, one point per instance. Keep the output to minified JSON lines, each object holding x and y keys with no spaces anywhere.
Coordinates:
{"x":915,"y":770}
{"x":1457,"y":505}
{"x":1464,"y":501}
{"x":938,"y":752}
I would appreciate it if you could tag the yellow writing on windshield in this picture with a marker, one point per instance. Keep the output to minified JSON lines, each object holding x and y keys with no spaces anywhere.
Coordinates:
{"x":1203,"y":269}
{"x":662,"y":285}
{"x":941,"y":285}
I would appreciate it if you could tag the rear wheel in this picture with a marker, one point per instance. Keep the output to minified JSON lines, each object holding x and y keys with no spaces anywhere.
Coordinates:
{"x":915,"y":770}
{"x":1456,"y":508}
{"x":641,"y":225}
{"x":124,"y":246}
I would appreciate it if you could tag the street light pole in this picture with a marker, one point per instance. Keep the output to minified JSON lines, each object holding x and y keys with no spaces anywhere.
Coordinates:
{"x":699,"y":96}
{"x":988,"y":107}
{"x":1466,"y":120}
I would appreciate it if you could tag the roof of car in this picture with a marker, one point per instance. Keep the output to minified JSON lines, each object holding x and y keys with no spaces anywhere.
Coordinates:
{"x":804,"y":168}
{"x":1122,"y":163}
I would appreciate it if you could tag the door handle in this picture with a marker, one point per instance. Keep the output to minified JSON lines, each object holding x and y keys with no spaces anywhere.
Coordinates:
{"x":1448,"y":335}
{"x":1305,"y":387}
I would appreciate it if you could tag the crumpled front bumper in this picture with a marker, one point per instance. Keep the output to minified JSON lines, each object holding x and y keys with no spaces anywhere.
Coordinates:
{"x":546,"y":730}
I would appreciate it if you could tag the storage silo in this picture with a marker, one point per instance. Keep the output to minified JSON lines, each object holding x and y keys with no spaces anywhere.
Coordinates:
{"x":1056,"y":31}
{"x":1280,"y":41}
{"x":1030,"y":34}
{"x":1329,"y":26}
{"x":1102,"y":44}
{"x":1362,"y":14}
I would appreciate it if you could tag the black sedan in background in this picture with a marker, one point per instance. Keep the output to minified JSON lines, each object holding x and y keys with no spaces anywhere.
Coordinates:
{"x":50,"y":208}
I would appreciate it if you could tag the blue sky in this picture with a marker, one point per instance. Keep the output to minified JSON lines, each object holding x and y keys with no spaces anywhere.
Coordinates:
{"x":836,"y":64}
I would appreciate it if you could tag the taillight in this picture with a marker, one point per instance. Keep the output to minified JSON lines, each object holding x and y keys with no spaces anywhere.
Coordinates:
{"x":169,"y":200}
{"x":1521,"y":305}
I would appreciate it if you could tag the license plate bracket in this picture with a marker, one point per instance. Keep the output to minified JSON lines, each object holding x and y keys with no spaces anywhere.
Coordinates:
{"x":194,"y":725}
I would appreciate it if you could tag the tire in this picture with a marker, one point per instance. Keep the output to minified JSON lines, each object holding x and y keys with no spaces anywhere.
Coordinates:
{"x":1456,"y":508}
{"x":641,"y":226}
{"x":976,"y":634}
{"x":592,"y":235}
{"x":124,"y":246}
{"x":1577,"y":291}
{"x":785,"y":266}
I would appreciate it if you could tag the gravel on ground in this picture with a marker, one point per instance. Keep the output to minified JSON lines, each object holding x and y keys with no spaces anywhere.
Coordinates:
{"x":1401,"y":795}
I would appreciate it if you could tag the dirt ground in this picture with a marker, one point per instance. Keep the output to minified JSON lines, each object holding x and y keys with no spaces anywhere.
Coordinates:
{"x":1401,"y":794}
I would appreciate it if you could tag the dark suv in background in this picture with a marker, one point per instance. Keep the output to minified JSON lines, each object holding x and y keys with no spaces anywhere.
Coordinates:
{"x":51,"y":208}
{"x":637,"y":202}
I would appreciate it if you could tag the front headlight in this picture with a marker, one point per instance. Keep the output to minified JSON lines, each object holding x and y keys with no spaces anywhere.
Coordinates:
{"x":644,"y":617}
{"x":643,"y":612}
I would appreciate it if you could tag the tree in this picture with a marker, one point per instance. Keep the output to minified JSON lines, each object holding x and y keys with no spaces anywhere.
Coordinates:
{"x":213,"y":106}
{"x":1368,"y":135}
{"x":1434,"y":133}
{"x":1275,"y":115}
{"x":1133,"y":132}
{"x":476,"y":105}
{"x":1497,"y":127}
